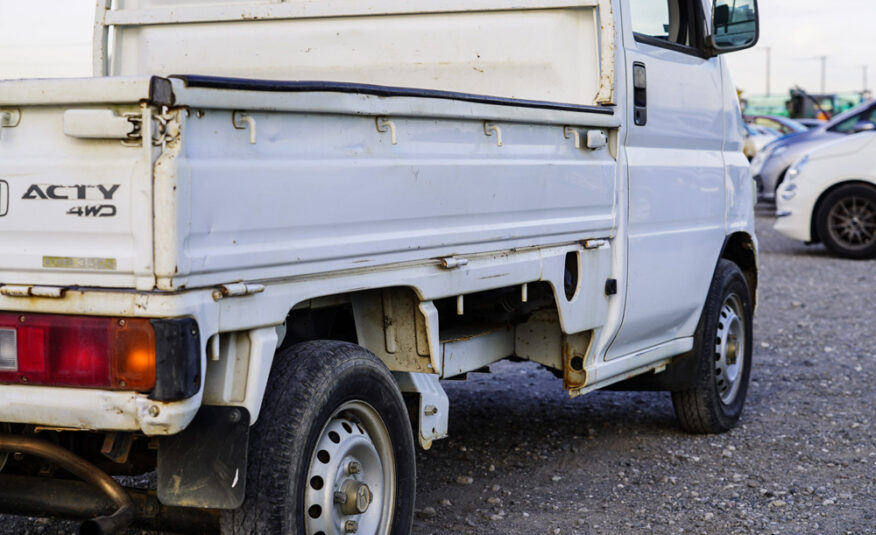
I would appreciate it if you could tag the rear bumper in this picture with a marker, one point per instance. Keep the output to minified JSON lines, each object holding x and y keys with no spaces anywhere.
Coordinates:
{"x":105,"y":410}
{"x":80,"y":408}
{"x":793,"y":222}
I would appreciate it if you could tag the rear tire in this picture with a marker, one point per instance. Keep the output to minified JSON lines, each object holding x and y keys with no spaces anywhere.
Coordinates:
{"x":722,"y":347}
{"x":332,"y":421}
{"x":846,"y":221}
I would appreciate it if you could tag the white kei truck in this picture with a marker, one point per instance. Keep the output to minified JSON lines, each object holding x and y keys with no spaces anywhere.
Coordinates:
{"x":244,"y":254}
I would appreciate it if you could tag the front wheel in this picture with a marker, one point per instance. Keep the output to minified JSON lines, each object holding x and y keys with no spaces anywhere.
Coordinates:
{"x":332,"y":452}
{"x":722,"y":348}
{"x":846,"y":221}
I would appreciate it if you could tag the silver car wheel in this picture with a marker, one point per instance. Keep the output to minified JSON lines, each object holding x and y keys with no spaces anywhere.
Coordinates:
{"x":350,"y":484}
{"x":852,"y":222}
{"x":730,"y":349}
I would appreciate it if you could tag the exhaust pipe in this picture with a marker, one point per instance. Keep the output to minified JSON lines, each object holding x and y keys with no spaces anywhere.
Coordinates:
{"x":104,"y":525}
{"x":107,"y":525}
{"x":76,"y":499}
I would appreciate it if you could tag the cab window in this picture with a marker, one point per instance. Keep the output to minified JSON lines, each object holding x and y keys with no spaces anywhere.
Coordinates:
{"x":667,"y":21}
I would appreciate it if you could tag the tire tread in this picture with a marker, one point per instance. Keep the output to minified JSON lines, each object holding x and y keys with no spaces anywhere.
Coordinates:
{"x":301,"y":376}
{"x":698,"y":408}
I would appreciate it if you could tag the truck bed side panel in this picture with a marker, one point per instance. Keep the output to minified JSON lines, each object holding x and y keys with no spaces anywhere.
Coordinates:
{"x":327,"y":192}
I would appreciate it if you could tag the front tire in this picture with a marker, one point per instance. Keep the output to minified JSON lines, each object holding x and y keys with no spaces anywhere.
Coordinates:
{"x":332,"y":451}
{"x":846,"y":221}
{"x":722,"y":347}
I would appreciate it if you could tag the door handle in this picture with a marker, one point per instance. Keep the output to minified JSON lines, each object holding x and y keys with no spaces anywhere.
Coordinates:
{"x":640,"y":94}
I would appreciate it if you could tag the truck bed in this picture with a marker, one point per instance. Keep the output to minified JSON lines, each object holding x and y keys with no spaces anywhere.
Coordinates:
{"x":321,"y":189}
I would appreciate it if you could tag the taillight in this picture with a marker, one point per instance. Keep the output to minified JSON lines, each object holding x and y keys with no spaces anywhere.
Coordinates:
{"x":83,"y":351}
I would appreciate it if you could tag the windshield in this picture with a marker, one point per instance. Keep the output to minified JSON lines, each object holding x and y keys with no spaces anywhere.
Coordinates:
{"x":844,"y":123}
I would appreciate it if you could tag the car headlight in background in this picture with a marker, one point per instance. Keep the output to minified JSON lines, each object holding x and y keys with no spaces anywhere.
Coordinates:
{"x":795,"y":169}
{"x":788,"y":190}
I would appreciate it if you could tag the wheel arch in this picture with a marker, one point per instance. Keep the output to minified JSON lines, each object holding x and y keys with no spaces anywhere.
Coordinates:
{"x":779,"y":179}
{"x":813,"y":223}
{"x":741,"y":249}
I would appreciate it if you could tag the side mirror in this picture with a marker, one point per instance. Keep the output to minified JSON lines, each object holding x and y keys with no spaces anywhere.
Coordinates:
{"x":735,"y":26}
{"x":864,"y":126}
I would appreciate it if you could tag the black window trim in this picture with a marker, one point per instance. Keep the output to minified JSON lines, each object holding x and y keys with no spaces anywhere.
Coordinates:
{"x":695,"y":30}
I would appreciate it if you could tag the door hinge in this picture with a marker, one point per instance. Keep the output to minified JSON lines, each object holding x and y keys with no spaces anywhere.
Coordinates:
{"x":19,"y":290}
{"x":237,"y":289}
{"x":165,"y":128}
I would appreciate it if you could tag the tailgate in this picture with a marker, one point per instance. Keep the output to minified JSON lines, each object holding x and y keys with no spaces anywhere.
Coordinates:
{"x":75,"y":206}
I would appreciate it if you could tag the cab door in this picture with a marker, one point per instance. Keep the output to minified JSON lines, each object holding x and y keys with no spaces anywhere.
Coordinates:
{"x":674,"y":141}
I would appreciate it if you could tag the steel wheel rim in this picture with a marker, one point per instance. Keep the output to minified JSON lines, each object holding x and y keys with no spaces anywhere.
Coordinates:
{"x":730,"y":349}
{"x":852,"y":222}
{"x":337,"y":491}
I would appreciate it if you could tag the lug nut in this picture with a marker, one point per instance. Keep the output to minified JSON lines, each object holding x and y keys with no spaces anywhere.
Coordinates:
{"x":351,"y":526}
{"x":354,"y":467}
{"x":340,"y":497}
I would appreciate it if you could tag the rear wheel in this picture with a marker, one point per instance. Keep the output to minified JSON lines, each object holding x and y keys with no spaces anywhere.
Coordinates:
{"x":714,"y":402}
{"x":846,"y":221}
{"x":332,"y":451}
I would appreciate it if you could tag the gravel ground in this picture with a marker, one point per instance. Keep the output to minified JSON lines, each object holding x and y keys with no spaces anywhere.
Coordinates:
{"x":522,"y":458}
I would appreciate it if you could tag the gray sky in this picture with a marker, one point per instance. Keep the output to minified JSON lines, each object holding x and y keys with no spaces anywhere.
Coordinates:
{"x":49,"y":38}
{"x":798,"y":32}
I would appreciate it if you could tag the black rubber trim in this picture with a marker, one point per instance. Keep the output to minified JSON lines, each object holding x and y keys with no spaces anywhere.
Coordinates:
{"x":177,"y":359}
{"x":281,"y":86}
{"x":669,"y":45}
{"x":161,"y":92}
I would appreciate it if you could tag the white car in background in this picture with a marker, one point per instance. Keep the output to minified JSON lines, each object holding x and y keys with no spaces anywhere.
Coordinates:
{"x":756,"y":138}
{"x":829,"y":196}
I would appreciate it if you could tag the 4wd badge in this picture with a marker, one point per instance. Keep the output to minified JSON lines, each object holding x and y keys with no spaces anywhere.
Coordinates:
{"x":77,"y":192}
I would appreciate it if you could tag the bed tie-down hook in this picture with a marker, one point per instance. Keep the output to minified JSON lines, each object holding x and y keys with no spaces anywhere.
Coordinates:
{"x":572,"y":133}
{"x":383,"y":124}
{"x":242,"y":121}
{"x":594,"y":139}
{"x":489,"y":128}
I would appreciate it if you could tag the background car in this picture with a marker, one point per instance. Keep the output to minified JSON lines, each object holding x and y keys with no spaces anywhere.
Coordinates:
{"x":810,"y":123}
{"x":782,"y":125}
{"x":829,"y":196}
{"x":756,"y":138}
{"x":769,"y":166}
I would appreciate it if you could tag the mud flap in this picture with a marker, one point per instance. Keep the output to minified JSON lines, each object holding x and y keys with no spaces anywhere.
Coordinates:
{"x":205,"y":465}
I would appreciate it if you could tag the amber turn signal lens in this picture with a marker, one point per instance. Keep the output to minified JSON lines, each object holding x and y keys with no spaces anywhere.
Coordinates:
{"x":133,"y":355}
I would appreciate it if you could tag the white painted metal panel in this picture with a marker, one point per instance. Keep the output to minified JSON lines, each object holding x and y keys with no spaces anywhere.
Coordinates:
{"x":78,"y":210}
{"x":550,"y":54}
{"x":676,"y":194}
{"x":74,"y":91}
{"x":330,"y":192}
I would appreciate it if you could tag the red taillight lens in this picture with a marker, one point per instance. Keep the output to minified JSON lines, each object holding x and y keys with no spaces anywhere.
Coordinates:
{"x":77,"y":351}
